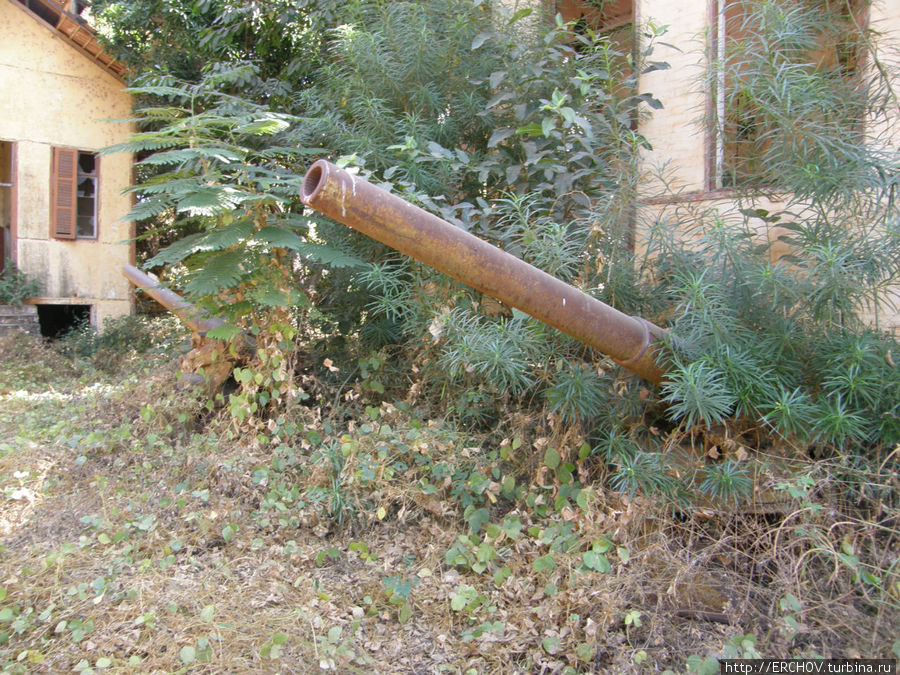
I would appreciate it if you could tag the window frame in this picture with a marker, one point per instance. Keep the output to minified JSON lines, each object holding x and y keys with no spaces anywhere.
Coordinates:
{"x":66,"y":175}
{"x":94,"y":177}
{"x":8,"y":234}
{"x":717,"y":137}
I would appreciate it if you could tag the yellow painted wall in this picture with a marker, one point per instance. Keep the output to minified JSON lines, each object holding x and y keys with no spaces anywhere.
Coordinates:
{"x":53,"y":95}
{"x":677,"y":133}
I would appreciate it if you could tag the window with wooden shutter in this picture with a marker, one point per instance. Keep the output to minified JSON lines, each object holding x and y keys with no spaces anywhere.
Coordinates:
{"x":62,"y":193}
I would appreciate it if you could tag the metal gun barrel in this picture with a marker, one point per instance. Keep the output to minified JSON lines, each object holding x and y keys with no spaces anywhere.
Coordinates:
{"x":629,"y":340}
{"x":193,"y":318}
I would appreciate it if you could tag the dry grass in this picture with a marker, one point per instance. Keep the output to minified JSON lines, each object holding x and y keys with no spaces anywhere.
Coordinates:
{"x":138,"y":535}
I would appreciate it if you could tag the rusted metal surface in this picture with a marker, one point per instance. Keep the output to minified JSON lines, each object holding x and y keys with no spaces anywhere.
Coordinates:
{"x":193,"y":318}
{"x":210,"y":362}
{"x":353,"y":201}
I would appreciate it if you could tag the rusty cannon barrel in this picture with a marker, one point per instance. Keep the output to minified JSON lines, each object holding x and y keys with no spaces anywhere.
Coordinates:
{"x":191,"y":316}
{"x":630,"y":341}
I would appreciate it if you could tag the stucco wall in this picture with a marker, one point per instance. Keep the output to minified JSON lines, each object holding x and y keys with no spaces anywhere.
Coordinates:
{"x":677,"y":139}
{"x":677,"y":133}
{"x":55,"y":96}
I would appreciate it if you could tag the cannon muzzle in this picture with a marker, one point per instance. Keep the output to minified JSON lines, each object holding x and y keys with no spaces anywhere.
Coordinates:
{"x":630,"y":341}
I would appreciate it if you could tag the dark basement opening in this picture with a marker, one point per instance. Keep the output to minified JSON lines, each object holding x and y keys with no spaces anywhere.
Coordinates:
{"x":57,"y":320}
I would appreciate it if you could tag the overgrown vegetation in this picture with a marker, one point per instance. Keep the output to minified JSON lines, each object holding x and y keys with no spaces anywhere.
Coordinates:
{"x":577,"y":519}
{"x":15,"y":285}
{"x":526,"y":136}
{"x":342,"y":529}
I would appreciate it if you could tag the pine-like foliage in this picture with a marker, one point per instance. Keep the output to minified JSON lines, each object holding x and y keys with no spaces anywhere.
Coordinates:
{"x":776,"y":313}
{"x":518,"y":130}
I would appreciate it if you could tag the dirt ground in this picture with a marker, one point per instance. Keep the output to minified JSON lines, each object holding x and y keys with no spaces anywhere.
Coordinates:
{"x":140,"y":534}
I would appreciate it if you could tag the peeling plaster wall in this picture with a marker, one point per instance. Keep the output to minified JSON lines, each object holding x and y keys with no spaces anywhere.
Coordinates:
{"x":53,"y":95}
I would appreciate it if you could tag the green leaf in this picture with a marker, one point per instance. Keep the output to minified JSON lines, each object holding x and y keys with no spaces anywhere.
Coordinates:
{"x":521,"y":14}
{"x":143,"y":143}
{"x":596,"y":561}
{"x":480,"y":39}
{"x":209,"y":201}
{"x":184,"y":155}
{"x":265,"y":126}
{"x":280,"y":238}
{"x":147,"y":208}
{"x":178,"y":251}
{"x":545,"y":563}
{"x":161,"y":90}
{"x":501,"y":575}
{"x":530,"y":130}
{"x":224,"y":332}
{"x":271,"y":296}
{"x":477,"y":519}
{"x":550,"y":644}
{"x":584,"y":651}
{"x":700,"y":666}
{"x":187,"y":655}
{"x":220,"y":271}
{"x":499,"y":136}
{"x":551,"y":459}
{"x":548,"y":124}
{"x":329,"y":256}
{"x":227,"y":236}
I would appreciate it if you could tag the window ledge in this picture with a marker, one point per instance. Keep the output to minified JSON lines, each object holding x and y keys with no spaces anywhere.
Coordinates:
{"x":716,"y":195}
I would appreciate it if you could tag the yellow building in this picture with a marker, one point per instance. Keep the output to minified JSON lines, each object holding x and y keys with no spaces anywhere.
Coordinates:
{"x":61,"y":204}
{"x":701,"y":161}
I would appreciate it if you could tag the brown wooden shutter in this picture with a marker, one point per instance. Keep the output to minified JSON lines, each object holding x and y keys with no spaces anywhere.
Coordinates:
{"x":62,"y":193}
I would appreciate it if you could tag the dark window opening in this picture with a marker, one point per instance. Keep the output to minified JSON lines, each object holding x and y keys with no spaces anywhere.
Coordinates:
{"x":614,"y":21}
{"x":58,"y":320}
{"x":812,"y":41}
{"x":86,"y":196}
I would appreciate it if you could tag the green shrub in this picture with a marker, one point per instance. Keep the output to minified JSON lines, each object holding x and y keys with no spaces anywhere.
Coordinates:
{"x":16,"y":286}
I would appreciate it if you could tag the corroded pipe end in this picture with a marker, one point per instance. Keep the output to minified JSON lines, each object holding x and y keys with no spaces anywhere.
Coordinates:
{"x":313,"y":180}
